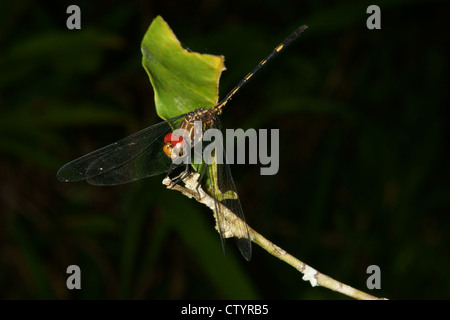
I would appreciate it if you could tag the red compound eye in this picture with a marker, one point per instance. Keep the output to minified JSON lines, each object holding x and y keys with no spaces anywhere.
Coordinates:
{"x":173,"y":139}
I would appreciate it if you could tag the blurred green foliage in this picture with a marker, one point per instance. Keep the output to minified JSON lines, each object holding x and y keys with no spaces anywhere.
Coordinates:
{"x":363,"y":166}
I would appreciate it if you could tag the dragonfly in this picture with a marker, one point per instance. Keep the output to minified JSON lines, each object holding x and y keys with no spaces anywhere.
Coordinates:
{"x":155,"y":149}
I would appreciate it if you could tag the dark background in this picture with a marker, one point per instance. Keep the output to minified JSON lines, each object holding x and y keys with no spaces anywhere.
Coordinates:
{"x":363,"y":176}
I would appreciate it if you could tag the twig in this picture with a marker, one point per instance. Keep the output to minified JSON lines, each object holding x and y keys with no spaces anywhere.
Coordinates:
{"x":193,"y":190}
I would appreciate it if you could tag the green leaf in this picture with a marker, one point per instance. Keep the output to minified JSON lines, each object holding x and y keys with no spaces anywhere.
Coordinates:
{"x":182,"y":80}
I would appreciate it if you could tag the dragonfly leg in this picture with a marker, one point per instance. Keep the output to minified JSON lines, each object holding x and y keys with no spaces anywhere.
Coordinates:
{"x":179,"y":177}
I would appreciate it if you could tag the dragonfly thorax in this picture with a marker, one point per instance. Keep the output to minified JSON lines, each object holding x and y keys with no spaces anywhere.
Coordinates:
{"x":194,"y":124}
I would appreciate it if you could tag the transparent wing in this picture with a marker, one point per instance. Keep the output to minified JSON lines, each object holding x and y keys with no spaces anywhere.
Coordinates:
{"x":135,"y":157}
{"x":224,"y":190}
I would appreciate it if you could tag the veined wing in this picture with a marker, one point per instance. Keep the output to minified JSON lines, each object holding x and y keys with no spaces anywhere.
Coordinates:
{"x":137,"y":156}
{"x":224,"y":191}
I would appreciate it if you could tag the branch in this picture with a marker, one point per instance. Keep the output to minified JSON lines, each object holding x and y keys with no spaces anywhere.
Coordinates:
{"x":193,"y":190}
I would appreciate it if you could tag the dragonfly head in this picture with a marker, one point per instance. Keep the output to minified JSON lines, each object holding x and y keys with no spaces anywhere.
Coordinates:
{"x":171,"y":142}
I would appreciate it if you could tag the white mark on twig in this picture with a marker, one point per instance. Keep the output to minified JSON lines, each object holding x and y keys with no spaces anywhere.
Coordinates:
{"x":309,"y":274}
